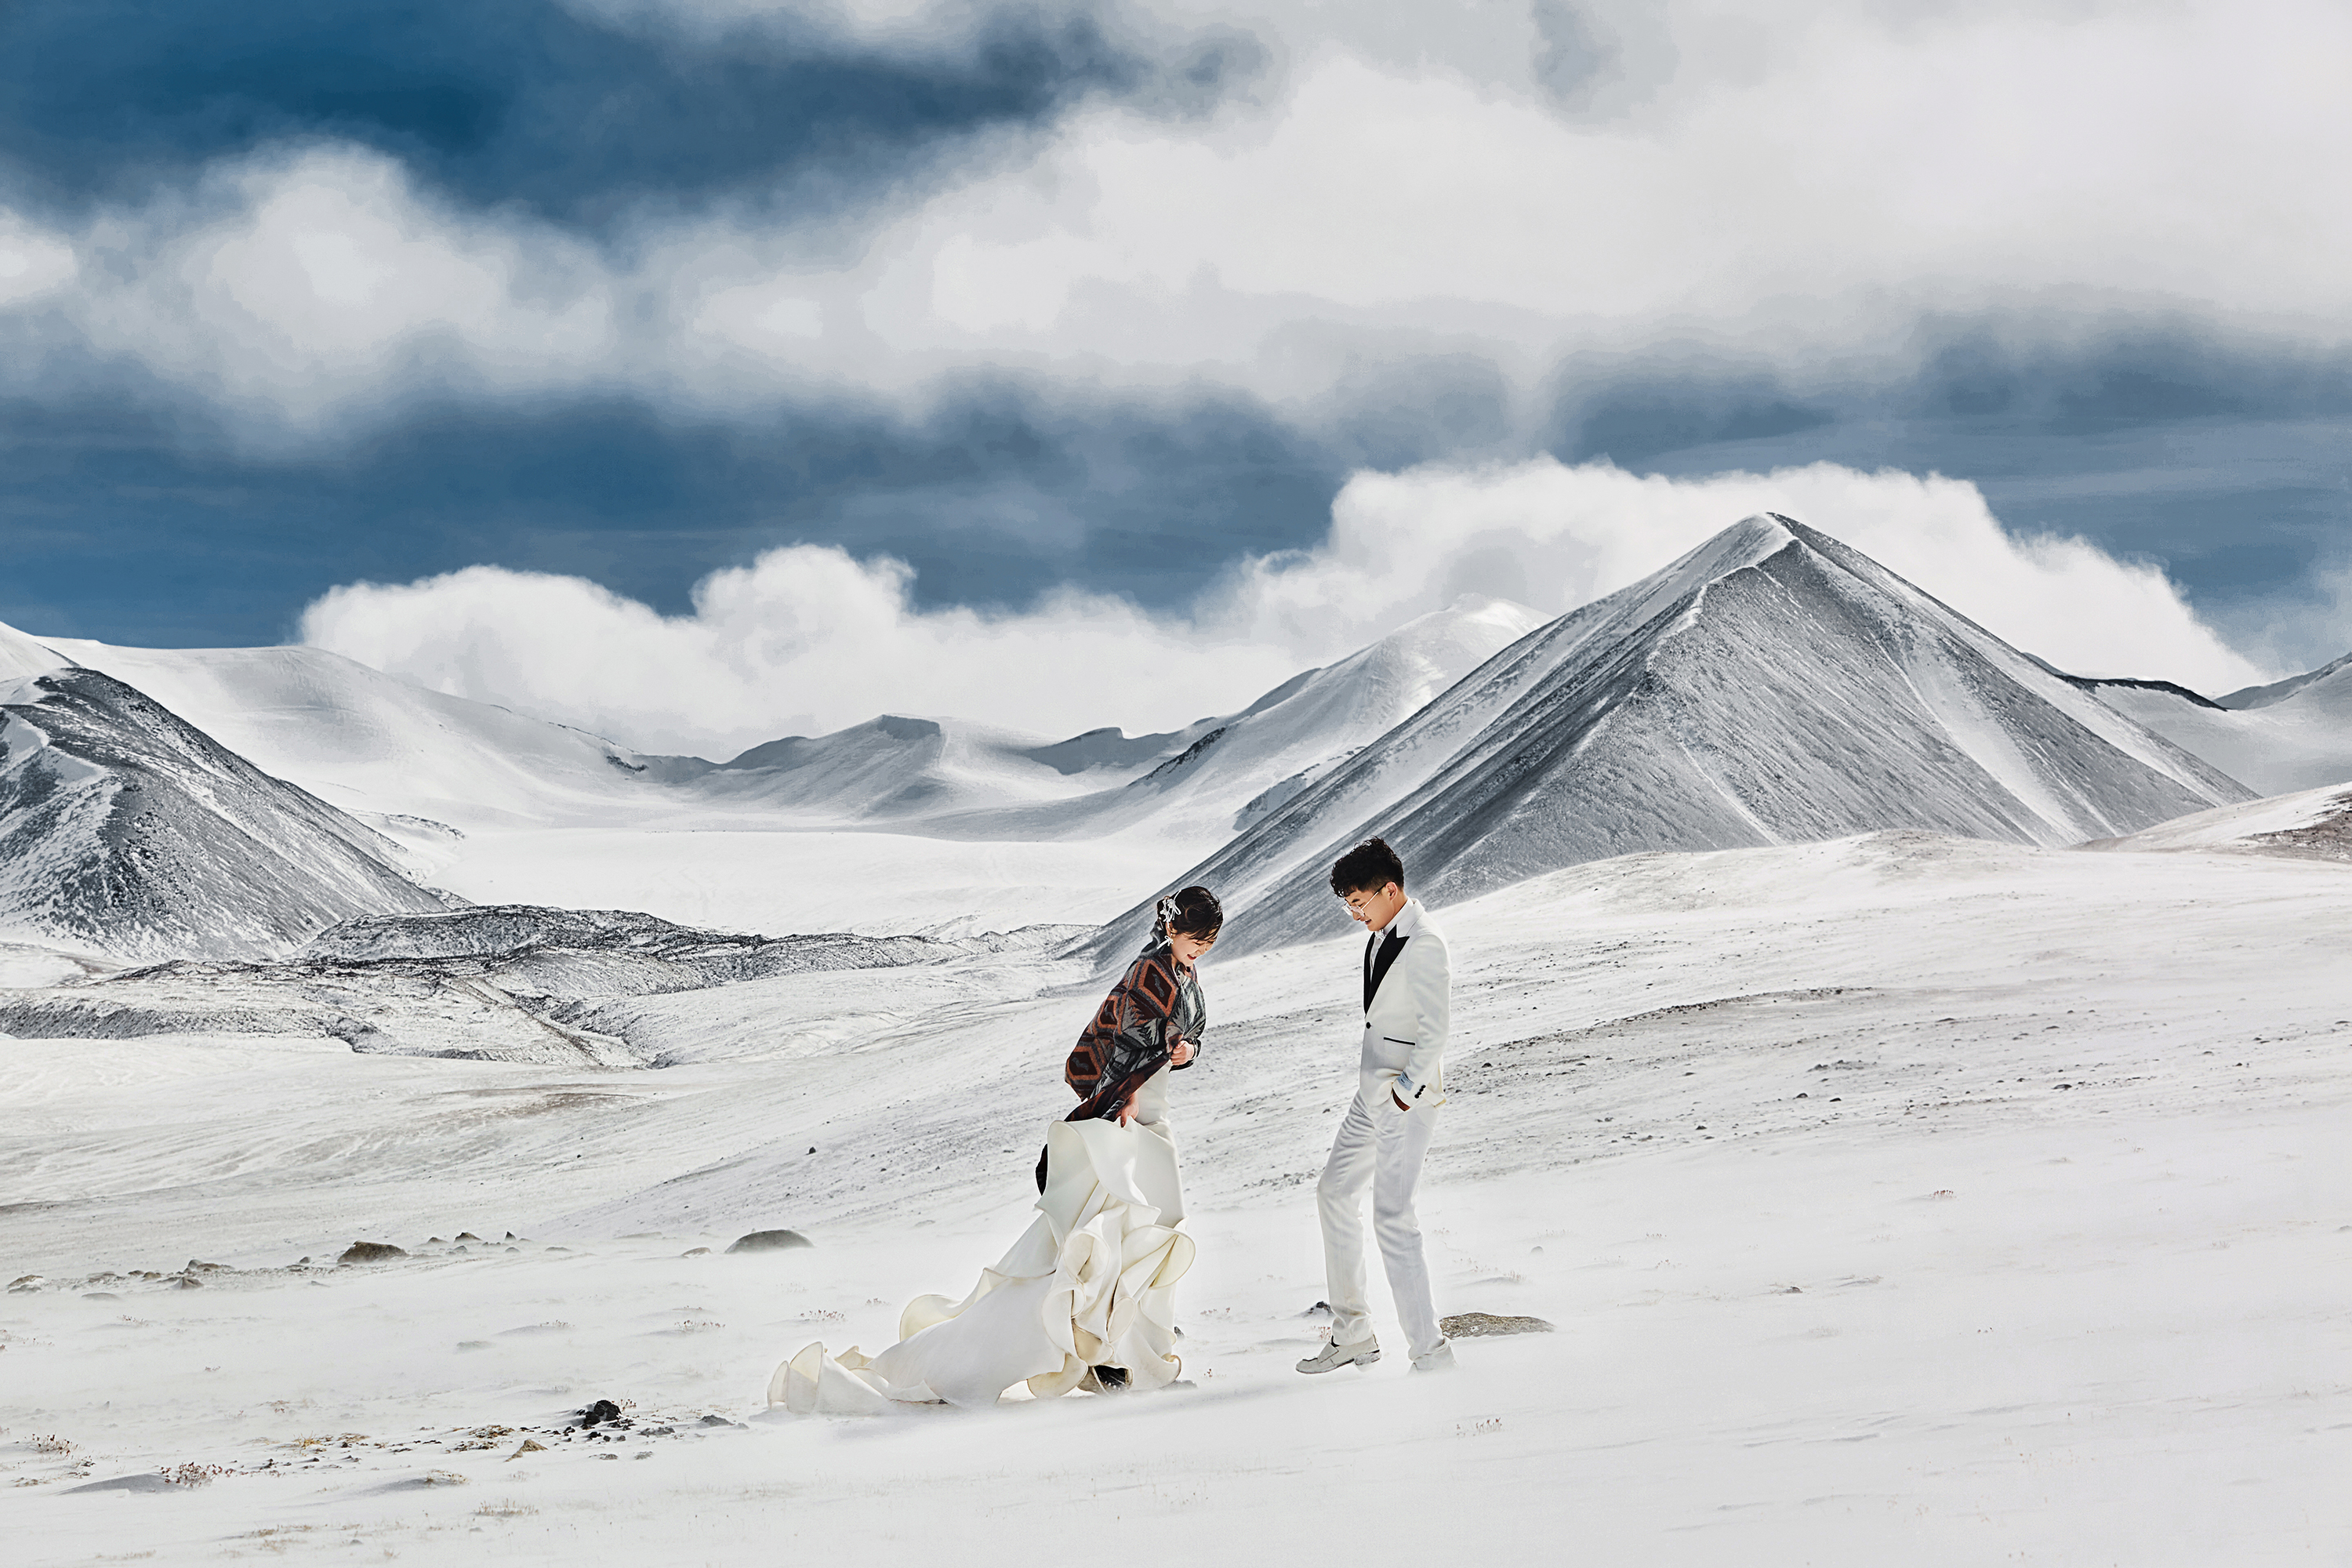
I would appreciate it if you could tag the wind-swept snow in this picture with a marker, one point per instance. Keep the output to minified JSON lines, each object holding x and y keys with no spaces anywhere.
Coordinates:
{"x":1771,"y":686}
{"x":370,"y":742}
{"x":1900,"y":1199}
{"x":2315,"y":824}
{"x":22,"y":658}
{"x":891,"y":768}
{"x":2297,"y":737}
{"x":2247,"y":697}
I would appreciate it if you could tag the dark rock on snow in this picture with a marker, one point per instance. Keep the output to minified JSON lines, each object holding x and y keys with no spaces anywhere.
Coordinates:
{"x":771,"y":1241}
{"x":371,"y":1252}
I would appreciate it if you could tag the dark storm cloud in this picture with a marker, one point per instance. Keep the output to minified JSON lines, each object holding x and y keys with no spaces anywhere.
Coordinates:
{"x":528,"y":103}
{"x":2227,"y":466}
{"x":136,"y":529}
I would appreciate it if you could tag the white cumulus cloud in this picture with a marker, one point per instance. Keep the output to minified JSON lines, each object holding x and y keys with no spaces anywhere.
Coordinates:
{"x":808,"y":639}
{"x":1520,"y":183}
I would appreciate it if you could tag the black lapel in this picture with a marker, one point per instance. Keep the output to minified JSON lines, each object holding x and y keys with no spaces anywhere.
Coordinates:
{"x":1376,"y":969}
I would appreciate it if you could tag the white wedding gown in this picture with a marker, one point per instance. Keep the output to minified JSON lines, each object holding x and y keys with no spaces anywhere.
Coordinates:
{"x":1091,"y":1283}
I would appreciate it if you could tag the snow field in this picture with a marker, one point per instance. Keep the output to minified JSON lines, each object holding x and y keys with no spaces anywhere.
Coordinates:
{"x":784,"y":881}
{"x":2100,"y":1323}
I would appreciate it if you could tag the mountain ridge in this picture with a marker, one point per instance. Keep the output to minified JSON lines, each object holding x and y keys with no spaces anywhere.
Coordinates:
{"x":1771,"y":686}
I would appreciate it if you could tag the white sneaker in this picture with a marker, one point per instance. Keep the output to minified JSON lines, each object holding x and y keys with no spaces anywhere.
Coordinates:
{"x":1439,"y":1359}
{"x":1332,"y":1357}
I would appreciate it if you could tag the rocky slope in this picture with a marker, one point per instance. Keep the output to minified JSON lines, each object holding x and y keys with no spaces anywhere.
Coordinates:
{"x":1771,"y":686}
{"x":126,"y":830}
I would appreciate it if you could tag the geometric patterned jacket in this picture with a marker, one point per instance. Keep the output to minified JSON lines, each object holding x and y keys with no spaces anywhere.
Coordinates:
{"x":1134,"y":1032}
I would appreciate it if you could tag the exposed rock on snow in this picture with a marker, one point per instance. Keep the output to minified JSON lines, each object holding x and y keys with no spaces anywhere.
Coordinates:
{"x":125,"y":829}
{"x":511,"y":983}
{"x":1771,"y":686}
{"x":1483,"y":1325}
{"x":371,"y":1252}
{"x":771,"y":1241}
{"x":605,"y":953}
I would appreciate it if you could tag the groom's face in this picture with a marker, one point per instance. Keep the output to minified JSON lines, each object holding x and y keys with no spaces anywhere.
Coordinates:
{"x":1374,"y":908}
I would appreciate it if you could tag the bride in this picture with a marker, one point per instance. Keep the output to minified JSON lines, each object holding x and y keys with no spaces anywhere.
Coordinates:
{"x":1086,"y":1297}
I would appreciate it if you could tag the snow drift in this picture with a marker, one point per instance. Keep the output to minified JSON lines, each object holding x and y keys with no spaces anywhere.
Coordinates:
{"x":1771,"y":686}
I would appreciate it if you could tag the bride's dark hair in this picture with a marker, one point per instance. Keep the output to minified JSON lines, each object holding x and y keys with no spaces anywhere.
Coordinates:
{"x":1192,"y":911}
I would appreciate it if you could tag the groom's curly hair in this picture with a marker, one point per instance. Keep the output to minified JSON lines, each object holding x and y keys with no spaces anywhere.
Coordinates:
{"x":1367,"y":868}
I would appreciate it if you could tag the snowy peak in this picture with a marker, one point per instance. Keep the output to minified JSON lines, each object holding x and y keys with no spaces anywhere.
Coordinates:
{"x":1772,"y":686}
{"x":127,"y":830}
{"x":371,"y":743}
{"x":1227,"y":773}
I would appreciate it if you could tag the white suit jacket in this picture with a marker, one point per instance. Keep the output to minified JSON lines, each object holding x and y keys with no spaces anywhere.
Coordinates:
{"x":1405,"y":1028}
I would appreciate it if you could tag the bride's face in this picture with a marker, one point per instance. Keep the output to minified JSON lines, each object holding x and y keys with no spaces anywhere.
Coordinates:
{"x":1189,"y":948}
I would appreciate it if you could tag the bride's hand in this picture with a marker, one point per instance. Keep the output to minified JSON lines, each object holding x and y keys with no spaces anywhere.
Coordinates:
{"x":1181,"y":1054}
{"x":1126,"y":1109}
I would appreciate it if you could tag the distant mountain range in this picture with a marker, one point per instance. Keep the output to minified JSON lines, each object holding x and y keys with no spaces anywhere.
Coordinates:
{"x":388,"y":750}
{"x":1771,"y":686}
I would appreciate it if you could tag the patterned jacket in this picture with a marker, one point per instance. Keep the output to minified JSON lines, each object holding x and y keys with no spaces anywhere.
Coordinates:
{"x":1134,"y":1032}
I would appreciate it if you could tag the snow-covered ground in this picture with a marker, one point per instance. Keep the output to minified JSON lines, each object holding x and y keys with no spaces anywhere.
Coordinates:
{"x":1898,"y":1199}
{"x":783,"y":880}
{"x":2315,"y":822}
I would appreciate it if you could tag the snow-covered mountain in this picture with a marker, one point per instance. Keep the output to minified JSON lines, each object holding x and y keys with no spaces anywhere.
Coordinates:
{"x":1772,"y":686}
{"x":125,"y":829}
{"x":2280,"y":690}
{"x":898,"y":769}
{"x":375,"y":744}
{"x":393,"y":752}
{"x":2293,"y":735}
{"x":1227,"y":774}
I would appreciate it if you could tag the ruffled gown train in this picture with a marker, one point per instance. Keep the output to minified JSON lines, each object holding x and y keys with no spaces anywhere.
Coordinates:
{"x":1091,"y":1283}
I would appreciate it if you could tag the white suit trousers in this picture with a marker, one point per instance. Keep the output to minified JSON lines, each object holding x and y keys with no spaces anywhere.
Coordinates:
{"x":1380,"y":1148}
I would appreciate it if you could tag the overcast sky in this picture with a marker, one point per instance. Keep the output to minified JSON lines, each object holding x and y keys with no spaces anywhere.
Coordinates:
{"x":726,"y":334}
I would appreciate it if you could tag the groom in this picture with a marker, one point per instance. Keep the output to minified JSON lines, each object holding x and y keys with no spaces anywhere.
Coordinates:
{"x":1380,"y":1141}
